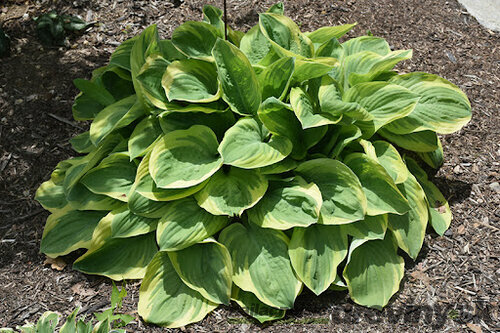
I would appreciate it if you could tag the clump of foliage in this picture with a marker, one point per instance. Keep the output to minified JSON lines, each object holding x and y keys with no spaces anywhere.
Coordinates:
{"x":51,"y":28}
{"x":107,"y":321}
{"x":247,"y":169}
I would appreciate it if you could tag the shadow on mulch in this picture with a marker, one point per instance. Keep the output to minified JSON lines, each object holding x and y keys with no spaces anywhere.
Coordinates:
{"x":35,"y":96}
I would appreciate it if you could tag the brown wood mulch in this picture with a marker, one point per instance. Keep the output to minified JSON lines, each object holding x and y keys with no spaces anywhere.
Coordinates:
{"x":454,"y":284}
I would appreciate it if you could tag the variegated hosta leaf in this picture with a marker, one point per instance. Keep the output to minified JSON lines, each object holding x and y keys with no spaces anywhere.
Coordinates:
{"x":184,"y":223}
{"x":343,"y":197}
{"x":385,"y":102}
{"x":373,"y":271}
{"x":59,"y":173}
{"x":94,"y":91}
{"x":371,"y":227}
{"x":409,"y":229}
{"x":169,"y":51}
{"x":315,"y":253}
{"x":232,"y":192}
{"x":255,"y":45}
{"x":307,"y":112}
{"x":80,"y":166}
{"x":287,"y":204}
{"x":218,"y":121}
{"x":278,"y":8}
{"x":367,"y":65}
{"x":287,"y":164}
{"x":117,"y":115}
{"x":275,"y":79}
{"x":311,"y":68}
{"x":392,"y":162}
{"x":330,"y":101}
{"x":184,"y":158}
{"x":121,"y":56}
{"x":82,"y":198}
{"x":143,"y":136}
{"x":439,"y":210}
{"x":196,"y":39}
{"x":81,"y":143}
{"x":125,"y":224}
{"x":366,"y":43}
{"x":249,"y":145}
{"x":146,"y":44}
{"x":255,"y":308}
{"x":143,"y":206}
{"x":442,"y":108}
{"x":261,"y":264}
{"x":345,"y":135}
{"x":205,"y":267}
{"x":280,"y":119}
{"x":117,"y":81}
{"x":325,"y":34}
{"x":381,"y":193}
{"x":68,"y":230}
{"x":434,"y":158}
{"x":145,"y":185}
{"x":113,"y":177}
{"x":191,"y":80}
{"x":117,"y":258}
{"x":213,"y":16}
{"x":149,"y":79}
{"x":424,"y":142}
{"x":165,"y":300}
{"x":51,"y":196}
{"x":240,"y":86}
{"x":331,"y":48}
{"x":285,"y":34}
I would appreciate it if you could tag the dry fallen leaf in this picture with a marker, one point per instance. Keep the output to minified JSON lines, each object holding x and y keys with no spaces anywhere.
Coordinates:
{"x":55,"y":263}
{"x":474,"y":328}
{"x":79,"y":289}
{"x":421,"y":276}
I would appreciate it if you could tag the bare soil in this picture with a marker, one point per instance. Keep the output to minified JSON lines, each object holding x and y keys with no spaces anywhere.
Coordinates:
{"x":452,"y":286}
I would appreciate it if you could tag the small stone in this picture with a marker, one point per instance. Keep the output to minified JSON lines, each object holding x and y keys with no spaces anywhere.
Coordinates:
{"x":457,"y":169}
{"x":495,"y":187}
{"x":475,"y":189}
{"x":475,"y":168}
{"x":18,"y":101}
{"x":448,"y":233}
{"x":31,"y":97}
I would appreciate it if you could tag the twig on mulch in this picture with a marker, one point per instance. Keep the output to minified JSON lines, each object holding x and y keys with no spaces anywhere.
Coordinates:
{"x":66,"y":121}
{"x":24,"y":217}
{"x":5,"y":163}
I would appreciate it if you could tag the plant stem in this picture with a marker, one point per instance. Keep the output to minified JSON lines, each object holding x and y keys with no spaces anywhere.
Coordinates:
{"x":225,"y":20}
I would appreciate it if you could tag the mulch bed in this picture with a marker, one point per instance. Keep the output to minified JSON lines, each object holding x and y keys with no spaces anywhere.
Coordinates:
{"x":452,"y":286}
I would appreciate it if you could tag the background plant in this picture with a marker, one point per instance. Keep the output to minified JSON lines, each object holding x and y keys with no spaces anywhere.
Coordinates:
{"x":245,"y":169}
{"x":52,"y":28}
{"x":107,"y":321}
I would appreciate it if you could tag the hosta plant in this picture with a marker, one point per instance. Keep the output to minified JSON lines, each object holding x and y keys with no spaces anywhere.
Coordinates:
{"x":250,"y":168}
